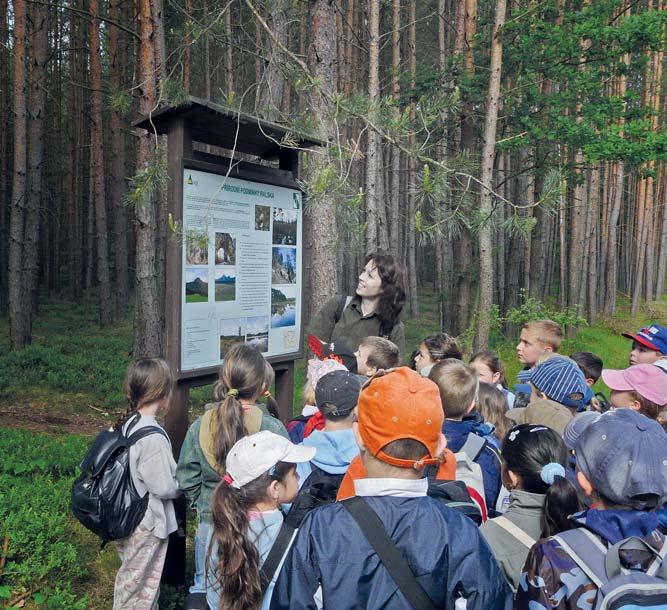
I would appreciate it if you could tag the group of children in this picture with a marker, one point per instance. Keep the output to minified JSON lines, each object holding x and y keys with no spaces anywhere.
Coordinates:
{"x":338,"y":510}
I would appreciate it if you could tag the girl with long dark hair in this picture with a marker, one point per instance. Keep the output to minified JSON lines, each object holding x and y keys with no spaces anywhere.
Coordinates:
{"x":541,"y":498}
{"x":260,"y":476}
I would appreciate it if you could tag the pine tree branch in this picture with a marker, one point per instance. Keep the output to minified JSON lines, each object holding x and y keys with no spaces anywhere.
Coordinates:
{"x":422,"y":158}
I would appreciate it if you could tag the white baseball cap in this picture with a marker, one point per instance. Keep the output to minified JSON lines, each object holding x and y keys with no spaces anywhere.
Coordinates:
{"x":256,"y":454}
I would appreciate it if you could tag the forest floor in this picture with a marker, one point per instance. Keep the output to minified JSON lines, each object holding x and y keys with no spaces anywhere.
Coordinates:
{"x":70,"y":379}
{"x":68,"y":385}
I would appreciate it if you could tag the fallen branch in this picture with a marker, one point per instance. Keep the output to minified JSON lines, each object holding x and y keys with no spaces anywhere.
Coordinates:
{"x":99,"y":410}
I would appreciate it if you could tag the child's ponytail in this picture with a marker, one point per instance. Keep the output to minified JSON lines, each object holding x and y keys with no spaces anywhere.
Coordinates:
{"x":241,"y":377}
{"x":237,"y":566}
{"x":560,"y":501}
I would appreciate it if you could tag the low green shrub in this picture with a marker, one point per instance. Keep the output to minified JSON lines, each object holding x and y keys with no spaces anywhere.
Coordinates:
{"x":41,"y":559}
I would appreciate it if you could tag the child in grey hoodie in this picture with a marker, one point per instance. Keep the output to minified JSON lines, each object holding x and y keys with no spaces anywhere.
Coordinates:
{"x":148,"y":384}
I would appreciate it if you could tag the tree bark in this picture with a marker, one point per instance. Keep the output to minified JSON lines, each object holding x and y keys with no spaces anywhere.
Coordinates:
{"x":412,"y":239}
{"x":147,"y":326}
{"x":97,"y":168}
{"x":372,"y":174}
{"x":321,"y":215}
{"x":485,"y":240}
{"x":19,"y":329}
{"x":37,"y":19}
{"x":117,"y":58}
{"x":4,"y":151}
{"x":229,"y":66}
{"x":395,"y":178}
{"x":272,"y":85}
{"x":662,"y":256}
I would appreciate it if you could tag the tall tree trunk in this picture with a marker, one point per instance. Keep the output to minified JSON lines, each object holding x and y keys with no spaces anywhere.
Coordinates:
{"x":485,"y":235}
{"x":321,"y":215}
{"x":372,"y":143}
{"x":37,"y":18}
{"x":117,"y":58}
{"x":662,"y":256}
{"x":395,"y":195}
{"x":4,"y":151}
{"x":19,"y":323}
{"x":272,"y":85}
{"x":97,"y":168}
{"x":147,"y":326}
{"x":187,"y":45}
{"x":616,"y":195}
{"x":470,"y":31}
{"x":644,"y":193}
{"x":412,"y":238}
{"x":207,"y":52}
{"x":74,"y":166}
{"x":229,"y":66}
{"x":593,"y":224}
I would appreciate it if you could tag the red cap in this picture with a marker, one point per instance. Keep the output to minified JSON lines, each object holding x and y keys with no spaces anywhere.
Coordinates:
{"x":400,"y":404}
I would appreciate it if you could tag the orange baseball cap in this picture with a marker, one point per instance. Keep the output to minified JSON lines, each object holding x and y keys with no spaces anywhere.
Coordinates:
{"x":400,"y":404}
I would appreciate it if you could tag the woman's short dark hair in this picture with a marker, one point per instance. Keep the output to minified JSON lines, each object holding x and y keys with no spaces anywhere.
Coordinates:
{"x":392,"y":298}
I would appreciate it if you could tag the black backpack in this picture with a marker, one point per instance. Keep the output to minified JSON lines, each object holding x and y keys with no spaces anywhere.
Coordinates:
{"x":104,"y":498}
{"x":319,"y":488}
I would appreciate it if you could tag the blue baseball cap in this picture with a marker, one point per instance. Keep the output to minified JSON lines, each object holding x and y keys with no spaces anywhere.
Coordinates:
{"x":561,"y":379}
{"x":654,"y":337}
{"x":624,"y":456}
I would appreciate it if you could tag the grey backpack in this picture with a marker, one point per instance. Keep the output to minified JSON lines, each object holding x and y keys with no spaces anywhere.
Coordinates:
{"x":619,"y":588}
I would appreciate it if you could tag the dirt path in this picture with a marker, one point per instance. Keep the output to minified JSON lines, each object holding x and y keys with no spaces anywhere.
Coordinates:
{"x":39,"y":417}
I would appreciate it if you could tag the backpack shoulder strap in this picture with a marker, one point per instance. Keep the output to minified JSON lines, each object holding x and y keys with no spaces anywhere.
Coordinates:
{"x":389,"y":555}
{"x":342,"y":304}
{"x":473,"y":446}
{"x":277,"y":552}
{"x":143,"y":433}
{"x":515,"y":531}
{"x":587,"y":551}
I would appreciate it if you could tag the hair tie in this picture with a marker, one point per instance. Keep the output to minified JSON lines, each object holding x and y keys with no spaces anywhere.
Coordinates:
{"x":232,"y":392}
{"x":227,"y":478}
{"x":266,"y":394}
{"x":550,"y":471}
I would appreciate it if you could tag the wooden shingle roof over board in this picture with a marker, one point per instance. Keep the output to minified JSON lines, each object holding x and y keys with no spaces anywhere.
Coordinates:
{"x":219,"y":126}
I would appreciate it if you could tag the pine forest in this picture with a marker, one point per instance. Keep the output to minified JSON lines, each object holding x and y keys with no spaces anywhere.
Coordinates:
{"x":502,"y":150}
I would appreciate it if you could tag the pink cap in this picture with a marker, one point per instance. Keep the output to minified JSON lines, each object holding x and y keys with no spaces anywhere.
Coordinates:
{"x":645,"y":379}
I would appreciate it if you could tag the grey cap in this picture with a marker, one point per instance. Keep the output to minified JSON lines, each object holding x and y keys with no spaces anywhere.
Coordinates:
{"x":577,"y":425}
{"x":340,"y":388}
{"x":624,"y":456}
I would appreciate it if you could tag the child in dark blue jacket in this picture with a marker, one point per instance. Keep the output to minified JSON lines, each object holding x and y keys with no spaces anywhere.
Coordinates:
{"x":399,"y":433}
{"x":459,"y":388}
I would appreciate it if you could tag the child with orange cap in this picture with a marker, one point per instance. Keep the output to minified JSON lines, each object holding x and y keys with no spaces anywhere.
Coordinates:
{"x":399,"y":433}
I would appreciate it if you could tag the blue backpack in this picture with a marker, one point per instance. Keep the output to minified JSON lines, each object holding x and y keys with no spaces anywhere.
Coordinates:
{"x":619,"y":588}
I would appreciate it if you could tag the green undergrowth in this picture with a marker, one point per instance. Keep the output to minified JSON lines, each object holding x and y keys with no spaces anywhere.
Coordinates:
{"x":71,"y":360}
{"x":42,"y":562}
{"x":51,"y":562}
{"x":73,"y":363}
